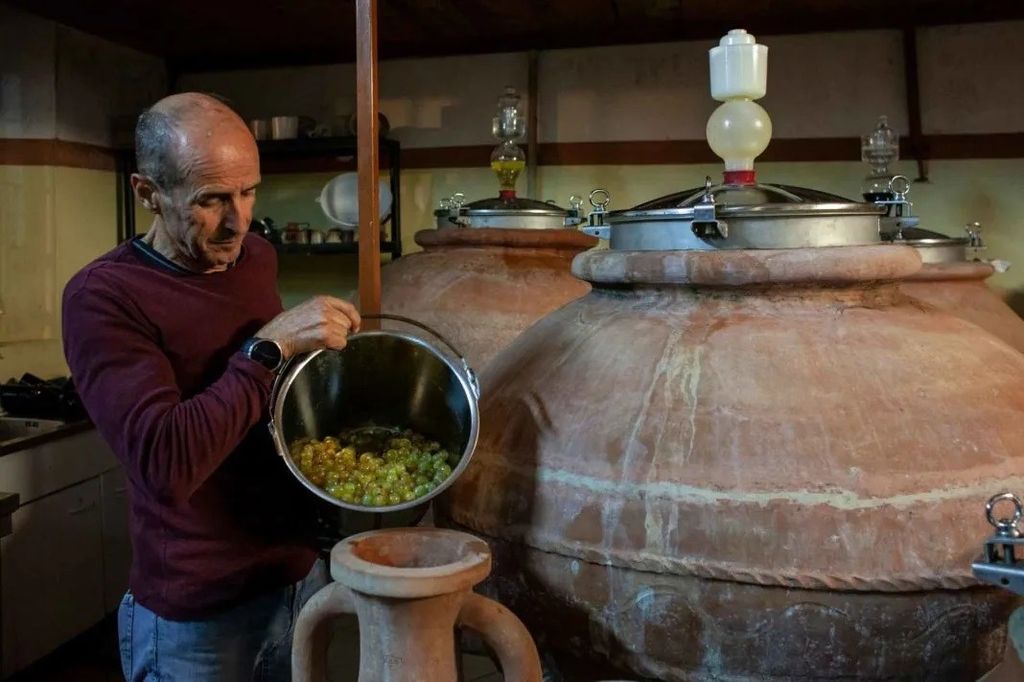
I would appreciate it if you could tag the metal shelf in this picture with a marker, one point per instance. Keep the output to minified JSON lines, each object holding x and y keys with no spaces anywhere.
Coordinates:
{"x":326,"y":249}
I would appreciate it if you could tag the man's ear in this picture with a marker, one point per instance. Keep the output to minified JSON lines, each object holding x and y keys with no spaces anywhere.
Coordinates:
{"x":146,"y":191}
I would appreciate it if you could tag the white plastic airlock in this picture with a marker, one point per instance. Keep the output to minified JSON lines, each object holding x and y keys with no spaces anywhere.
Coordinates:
{"x":739,"y":129}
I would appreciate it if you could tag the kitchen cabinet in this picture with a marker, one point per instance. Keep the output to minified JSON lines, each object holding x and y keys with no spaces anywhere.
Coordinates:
{"x":44,"y":469}
{"x":52,"y":569}
{"x":65,"y":564}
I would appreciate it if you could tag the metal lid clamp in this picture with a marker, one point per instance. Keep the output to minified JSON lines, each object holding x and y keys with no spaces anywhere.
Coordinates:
{"x":974,"y":234}
{"x":575,"y":215}
{"x":596,"y":226}
{"x":1002,"y":563}
{"x":450,"y":208}
{"x":455,"y":209}
{"x":706,"y":224}
{"x":899,"y":211}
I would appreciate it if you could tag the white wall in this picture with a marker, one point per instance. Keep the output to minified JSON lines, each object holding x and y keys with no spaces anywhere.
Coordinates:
{"x":429,"y":102}
{"x":662,"y":91}
{"x":101,"y":86}
{"x":819,"y":85}
{"x":447,"y":101}
{"x":58,"y":82}
{"x":28,"y":98}
{"x":972,"y":78}
{"x":327,"y":93}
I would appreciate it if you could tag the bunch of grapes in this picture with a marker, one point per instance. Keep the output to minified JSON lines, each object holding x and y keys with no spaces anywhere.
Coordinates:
{"x":373,"y":467}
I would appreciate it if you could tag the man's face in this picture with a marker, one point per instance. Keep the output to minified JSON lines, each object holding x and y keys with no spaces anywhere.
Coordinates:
{"x":208,"y":213}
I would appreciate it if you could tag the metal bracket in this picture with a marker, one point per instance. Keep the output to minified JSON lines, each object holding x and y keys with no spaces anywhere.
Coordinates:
{"x":575,"y":216}
{"x":706,"y":224}
{"x":596,"y":227}
{"x":898,"y":210}
{"x":974,"y":233}
{"x":1002,"y":564}
{"x":453,"y":205}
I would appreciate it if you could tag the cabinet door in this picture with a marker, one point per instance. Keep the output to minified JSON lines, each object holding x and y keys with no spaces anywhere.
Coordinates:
{"x":117,"y":546}
{"x":55,"y":465}
{"x":52,"y":573}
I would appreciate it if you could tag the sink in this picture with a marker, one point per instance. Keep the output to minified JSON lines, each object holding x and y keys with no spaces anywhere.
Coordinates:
{"x":14,"y":428}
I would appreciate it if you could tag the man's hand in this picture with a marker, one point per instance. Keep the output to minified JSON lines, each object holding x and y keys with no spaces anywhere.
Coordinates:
{"x":320,"y":322}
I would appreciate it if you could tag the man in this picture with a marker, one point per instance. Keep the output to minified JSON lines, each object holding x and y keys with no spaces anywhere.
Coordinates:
{"x":173,"y":339}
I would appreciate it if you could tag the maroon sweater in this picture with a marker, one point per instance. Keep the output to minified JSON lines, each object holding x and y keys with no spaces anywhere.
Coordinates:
{"x":215,"y":516}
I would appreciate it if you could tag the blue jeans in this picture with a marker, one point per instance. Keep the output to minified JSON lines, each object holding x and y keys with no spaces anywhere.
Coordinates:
{"x":252,"y":641}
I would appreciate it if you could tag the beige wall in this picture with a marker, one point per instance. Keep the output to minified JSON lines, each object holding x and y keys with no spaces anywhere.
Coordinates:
{"x":57,"y":83}
{"x":69,"y":217}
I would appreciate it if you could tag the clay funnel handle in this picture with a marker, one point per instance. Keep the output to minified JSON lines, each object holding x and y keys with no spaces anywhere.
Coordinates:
{"x":505,"y":634}
{"x":313,"y":631}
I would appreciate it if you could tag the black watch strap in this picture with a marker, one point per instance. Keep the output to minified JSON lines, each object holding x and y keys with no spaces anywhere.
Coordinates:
{"x":264,"y":351}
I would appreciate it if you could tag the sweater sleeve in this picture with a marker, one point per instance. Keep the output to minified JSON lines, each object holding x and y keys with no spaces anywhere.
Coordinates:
{"x":169,"y":446}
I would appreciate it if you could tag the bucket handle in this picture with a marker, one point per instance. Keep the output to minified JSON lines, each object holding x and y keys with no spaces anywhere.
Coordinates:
{"x":474,"y":383}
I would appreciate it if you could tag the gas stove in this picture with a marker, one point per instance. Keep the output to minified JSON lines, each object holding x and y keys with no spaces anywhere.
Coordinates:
{"x":37,"y":398}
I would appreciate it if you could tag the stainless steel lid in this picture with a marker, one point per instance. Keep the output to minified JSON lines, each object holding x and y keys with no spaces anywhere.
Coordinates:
{"x":935,"y":247}
{"x":917,"y":236}
{"x":754,"y":216}
{"x":513,"y":206}
{"x":757,"y":199}
{"x":507,"y":212}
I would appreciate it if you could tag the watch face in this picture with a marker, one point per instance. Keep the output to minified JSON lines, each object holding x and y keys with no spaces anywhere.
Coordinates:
{"x":266,"y":353}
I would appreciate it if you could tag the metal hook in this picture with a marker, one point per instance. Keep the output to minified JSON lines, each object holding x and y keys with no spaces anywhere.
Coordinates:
{"x":899,"y":185}
{"x":1004,"y":526}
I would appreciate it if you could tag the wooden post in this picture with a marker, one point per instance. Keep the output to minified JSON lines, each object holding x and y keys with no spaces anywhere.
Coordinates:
{"x":918,"y":146}
{"x":532,"y":104}
{"x":368,"y":159}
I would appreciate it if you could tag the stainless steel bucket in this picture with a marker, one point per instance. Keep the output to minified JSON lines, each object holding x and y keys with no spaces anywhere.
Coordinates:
{"x":381,"y":378}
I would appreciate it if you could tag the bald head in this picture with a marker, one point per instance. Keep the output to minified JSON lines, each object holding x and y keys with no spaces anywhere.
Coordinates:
{"x":198,"y":172}
{"x":168,"y":133}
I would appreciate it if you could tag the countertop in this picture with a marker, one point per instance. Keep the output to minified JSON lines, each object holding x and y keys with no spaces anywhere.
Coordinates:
{"x":63,"y":431}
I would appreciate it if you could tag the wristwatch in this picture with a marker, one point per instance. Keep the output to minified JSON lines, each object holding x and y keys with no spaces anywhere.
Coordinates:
{"x":264,"y":351}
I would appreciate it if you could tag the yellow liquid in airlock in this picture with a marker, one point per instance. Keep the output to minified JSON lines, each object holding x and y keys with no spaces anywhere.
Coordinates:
{"x":508,"y":171}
